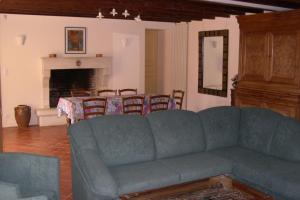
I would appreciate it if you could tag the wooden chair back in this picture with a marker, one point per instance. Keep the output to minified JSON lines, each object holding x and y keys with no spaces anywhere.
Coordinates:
{"x":178,"y":97}
{"x":80,"y":93}
{"x":133,"y":105}
{"x":93,"y":107}
{"x":127,"y":91}
{"x":106,"y":92}
{"x":159,"y":102}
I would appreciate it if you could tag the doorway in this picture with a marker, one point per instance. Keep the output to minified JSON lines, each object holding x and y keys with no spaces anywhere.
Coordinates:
{"x":154,"y":61}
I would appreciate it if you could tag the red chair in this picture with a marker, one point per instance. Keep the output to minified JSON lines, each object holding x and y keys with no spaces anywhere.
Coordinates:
{"x":178,"y":97}
{"x":94,"y":107}
{"x":106,"y":92}
{"x":159,"y":102}
{"x":80,"y":93}
{"x":127,"y":91}
{"x":133,"y":105}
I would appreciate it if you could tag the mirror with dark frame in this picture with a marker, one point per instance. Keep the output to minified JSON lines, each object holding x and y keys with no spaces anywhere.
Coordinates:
{"x":213,"y":62}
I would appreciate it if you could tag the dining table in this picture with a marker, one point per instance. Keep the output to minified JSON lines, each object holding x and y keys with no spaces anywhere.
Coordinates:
{"x":72,"y":107}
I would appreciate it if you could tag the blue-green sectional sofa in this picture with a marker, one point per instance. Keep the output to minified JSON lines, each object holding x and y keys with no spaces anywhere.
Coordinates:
{"x":114,"y":155}
{"x":26,"y":176}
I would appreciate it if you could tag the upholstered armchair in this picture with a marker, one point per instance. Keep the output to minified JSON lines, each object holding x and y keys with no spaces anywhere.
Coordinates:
{"x":28,"y":177}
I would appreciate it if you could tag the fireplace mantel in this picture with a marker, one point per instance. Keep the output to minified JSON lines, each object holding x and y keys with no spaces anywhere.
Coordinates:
{"x":102,"y":65}
{"x":76,"y":62}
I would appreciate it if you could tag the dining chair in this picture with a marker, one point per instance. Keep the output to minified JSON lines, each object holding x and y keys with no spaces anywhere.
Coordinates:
{"x":93,"y":107}
{"x":106,"y":92}
{"x":159,"y":102}
{"x":133,"y":105}
{"x":80,"y":93}
{"x":127,"y":91}
{"x":178,"y":97}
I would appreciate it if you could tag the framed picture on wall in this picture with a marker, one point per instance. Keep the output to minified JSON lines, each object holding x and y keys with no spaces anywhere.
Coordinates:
{"x":75,"y":40}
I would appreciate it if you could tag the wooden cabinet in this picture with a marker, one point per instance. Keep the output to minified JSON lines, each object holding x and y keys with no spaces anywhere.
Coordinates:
{"x":253,"y":56}
{"x":284,"y":103}
{"x":269,"y":68}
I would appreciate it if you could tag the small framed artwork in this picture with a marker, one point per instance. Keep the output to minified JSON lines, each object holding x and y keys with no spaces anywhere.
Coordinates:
{"x":75,"y":40}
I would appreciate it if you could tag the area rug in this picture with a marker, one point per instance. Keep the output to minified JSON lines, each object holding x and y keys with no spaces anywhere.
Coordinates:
{"x":214,"y":192}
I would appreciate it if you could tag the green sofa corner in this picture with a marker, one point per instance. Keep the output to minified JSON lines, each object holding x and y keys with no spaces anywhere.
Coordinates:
{"x":25,"y":176}
{"x":114,"y":155}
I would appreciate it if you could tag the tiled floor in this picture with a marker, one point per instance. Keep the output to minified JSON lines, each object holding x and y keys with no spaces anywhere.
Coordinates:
{"x":51,"y":141}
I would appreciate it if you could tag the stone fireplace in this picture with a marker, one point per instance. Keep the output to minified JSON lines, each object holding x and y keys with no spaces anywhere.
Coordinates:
{"x":101,"y":67}
{"x":63,"y":81}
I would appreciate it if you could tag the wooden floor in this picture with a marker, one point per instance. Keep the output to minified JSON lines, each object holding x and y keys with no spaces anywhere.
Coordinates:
{"x":51,"y":141}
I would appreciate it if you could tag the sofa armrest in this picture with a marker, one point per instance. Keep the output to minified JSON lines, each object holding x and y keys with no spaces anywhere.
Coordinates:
{"x":30,"y":172}
{"x":92,"y":179}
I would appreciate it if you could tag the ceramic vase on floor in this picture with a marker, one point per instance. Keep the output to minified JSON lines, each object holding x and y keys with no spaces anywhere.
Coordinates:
{"x":22,"y":115}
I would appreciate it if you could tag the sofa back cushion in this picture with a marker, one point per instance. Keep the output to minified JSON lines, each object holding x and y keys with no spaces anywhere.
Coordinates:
{"x":176,"y":132}
{"x":257,"y":128}
{"x":286,"y":141}
{"x":221,"y":126}
{"x":123,"y":139}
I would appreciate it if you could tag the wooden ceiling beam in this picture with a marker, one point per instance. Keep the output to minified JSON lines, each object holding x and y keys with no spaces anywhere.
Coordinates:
{"x":167,"y":10}
{"x":179,"y":5}
{"x":279,"y":3}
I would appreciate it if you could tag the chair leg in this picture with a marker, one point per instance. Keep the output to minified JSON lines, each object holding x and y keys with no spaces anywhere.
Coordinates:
{"x":68,"y":121}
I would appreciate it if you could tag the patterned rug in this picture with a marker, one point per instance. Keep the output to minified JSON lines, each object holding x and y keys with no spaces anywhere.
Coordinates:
{"x":214,"y":192}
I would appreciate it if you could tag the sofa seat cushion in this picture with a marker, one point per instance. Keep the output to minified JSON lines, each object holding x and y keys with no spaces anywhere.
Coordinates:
{"x":9,"y":191}
{"x":42,"y":197}
{"x":49,"y":195}
{"x":143,"y":176}
{"x":198,"y":166}
{"x":176,"y":132}
{"x":276,"y":175}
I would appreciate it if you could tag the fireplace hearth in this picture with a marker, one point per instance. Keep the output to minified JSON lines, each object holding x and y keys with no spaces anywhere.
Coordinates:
{"x":63,"y":81}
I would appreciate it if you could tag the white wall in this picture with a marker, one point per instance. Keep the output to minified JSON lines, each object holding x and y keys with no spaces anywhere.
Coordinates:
{"x":21,"y":65}
{"x":126,"y":66}
{"x":195,"y":100}
{"x":179,"y":54}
